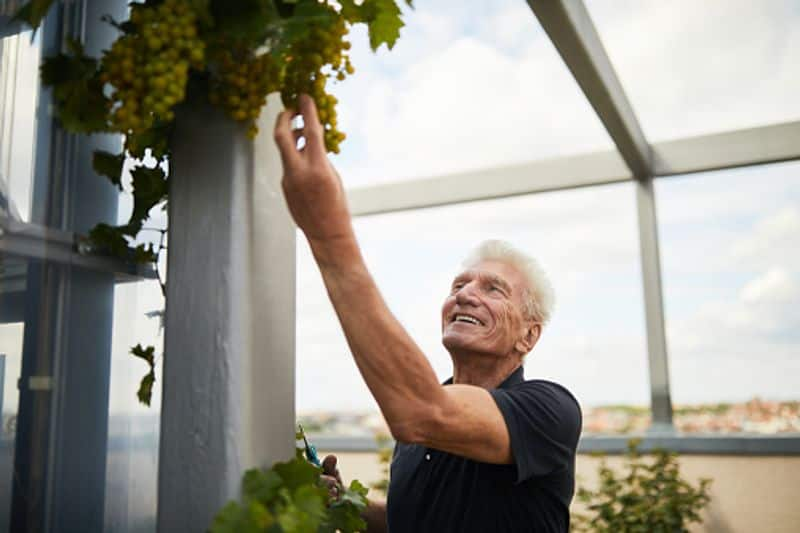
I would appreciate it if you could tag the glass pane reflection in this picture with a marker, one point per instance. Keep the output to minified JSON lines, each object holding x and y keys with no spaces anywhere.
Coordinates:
{"x":133,"y":428}
{"x":19,"y":84}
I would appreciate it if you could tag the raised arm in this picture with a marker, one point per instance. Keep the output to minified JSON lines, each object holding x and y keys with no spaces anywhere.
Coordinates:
{"x":460,"y":419}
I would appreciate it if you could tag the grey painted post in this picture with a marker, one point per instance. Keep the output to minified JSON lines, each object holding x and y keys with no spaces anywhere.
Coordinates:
{"x":660,"y":401}
{"x":228,"y":400}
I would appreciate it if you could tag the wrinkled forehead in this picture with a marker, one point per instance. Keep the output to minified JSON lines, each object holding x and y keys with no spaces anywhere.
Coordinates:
{"x":497,"y":271}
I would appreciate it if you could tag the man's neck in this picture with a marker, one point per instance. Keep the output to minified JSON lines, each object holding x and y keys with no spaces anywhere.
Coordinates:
{"x":481,"y":370}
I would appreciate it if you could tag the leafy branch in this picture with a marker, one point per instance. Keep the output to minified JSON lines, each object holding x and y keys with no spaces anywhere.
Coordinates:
{"x":290,"y":497}
{"x":650,"y":496}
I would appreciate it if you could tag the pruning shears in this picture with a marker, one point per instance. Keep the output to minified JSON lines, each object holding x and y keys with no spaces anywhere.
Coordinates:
{"x":311,"y":450}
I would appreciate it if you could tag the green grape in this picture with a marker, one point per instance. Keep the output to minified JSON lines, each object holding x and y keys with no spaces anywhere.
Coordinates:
{"x":148,"y":68}
{"x":323,"y":45}
{"x":241,"y":81}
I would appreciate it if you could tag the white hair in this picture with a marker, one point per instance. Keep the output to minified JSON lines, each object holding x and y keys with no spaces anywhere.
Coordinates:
{"x":539,"y":297}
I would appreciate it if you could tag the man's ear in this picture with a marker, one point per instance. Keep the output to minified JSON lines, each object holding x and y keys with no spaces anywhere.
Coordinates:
{"x":529,"y":340}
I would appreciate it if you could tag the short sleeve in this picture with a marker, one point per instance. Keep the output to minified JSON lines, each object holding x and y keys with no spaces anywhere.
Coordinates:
{"x":544,"y":424}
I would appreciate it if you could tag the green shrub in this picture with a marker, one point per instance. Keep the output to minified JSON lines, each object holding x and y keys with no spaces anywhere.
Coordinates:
{"x":650,"y":497}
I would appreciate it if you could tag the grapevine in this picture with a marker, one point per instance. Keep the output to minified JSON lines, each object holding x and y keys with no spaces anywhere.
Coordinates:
{"x":173,"y":53}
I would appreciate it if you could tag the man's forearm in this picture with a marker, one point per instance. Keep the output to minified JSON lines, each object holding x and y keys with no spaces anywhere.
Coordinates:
{"x":396,"y":371}
{"x":375,"y":516}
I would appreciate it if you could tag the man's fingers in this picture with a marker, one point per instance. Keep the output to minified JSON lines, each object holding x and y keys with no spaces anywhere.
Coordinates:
{"x":312,"y":128}
{"x":329,"y":468}
{"x":287,"y":146}
{"x":329,"y":465}
{"x":332,"y":485}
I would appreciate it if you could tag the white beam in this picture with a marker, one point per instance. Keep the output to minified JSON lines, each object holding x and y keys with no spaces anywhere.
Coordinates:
{"x":538,"y":176}
{"x":766,"y":144}
{"x":571,"y":30}
{"x":752,"y":146}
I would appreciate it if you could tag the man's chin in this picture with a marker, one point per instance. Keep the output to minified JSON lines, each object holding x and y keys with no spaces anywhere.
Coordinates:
{"x":458,"y":343}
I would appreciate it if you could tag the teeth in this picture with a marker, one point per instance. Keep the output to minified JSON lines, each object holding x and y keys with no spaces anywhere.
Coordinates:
{"x":465,"y":318}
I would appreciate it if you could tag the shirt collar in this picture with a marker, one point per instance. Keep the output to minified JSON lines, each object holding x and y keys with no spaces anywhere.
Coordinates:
{"x":517,"y":376}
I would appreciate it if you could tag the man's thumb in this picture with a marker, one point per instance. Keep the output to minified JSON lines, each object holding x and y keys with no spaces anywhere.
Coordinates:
{"x":329,"y":465}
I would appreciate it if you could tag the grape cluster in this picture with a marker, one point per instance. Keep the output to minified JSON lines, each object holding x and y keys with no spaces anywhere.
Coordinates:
{"x":148,"y":67}
{"x":242,"y":82}
{"x":324,"y":44}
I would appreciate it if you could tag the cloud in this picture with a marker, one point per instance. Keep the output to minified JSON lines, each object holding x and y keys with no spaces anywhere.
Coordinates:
{"x":775,"y":285}
{"x":690,"y":68}
{"x":773,"y":240}
{"x":477,"y":97}
{"x":741,"y":338}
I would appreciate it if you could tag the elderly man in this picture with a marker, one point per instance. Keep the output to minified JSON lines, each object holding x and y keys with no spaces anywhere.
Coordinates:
{"x":485,"y":451}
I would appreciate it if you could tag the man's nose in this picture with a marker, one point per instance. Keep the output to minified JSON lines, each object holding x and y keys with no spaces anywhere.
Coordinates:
{"x":467,"y":295}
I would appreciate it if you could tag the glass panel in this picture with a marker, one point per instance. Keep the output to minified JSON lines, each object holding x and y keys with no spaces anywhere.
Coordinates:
{"x":462,"y":89}
{"x":731,"y":271}
{"x":19,"y":89}
{"x":12,"y":326}
{"x":61,"y":322}
{"x":133,"y":428}
{"x":691,"y":68}
{"x":585,"y":239}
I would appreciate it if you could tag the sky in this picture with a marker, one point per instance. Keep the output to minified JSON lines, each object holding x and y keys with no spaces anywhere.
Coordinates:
{"x":466,"y":89}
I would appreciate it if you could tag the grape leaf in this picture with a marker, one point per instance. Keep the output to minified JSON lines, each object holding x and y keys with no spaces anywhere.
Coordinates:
{"x":146,"y":388}
{"x":144,"y":253}
{"x":384,"y":23}
{"x":243,"y":21}
{"x":148,"y":354}
{"x":33,"y":12}
{"x":381,"y":16}
{"x":310,"y":500}
{"x":149,"y":188}
{"x":297,"y":472}
{"x":343,"y":518}
{"x":228,"y":519}
{"x":109,"y":240}
{"x":81,"y":105}
{"x":261,"y":485}
{"x":124,"y":27}
{"x":155,"y":138}
{"x":353,"y":12}
{"x":109,"y":165}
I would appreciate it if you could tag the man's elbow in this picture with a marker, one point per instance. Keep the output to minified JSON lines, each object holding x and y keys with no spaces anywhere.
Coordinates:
{"x":416,"y":428}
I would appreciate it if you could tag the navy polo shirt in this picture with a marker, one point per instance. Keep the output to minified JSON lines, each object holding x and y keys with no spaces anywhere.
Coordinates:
{"x":435,"y":491}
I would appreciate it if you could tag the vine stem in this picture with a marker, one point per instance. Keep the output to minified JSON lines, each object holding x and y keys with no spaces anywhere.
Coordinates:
{"x":162,"y":282}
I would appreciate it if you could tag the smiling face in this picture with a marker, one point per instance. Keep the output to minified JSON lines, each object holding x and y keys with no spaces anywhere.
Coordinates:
{"x":484,"y":312}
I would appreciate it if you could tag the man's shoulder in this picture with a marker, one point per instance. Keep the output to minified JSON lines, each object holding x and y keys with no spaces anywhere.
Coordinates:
{"x":547,"y":388}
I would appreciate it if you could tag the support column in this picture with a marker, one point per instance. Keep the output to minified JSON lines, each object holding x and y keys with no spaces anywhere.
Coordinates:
{"x":660,"y":401}
{"x":228,"y":392}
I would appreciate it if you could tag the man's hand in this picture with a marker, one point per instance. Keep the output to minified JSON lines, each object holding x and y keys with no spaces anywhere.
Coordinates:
{"x":331,"y":478}
{"x":374,"y":514}
{"x":312,"y":187}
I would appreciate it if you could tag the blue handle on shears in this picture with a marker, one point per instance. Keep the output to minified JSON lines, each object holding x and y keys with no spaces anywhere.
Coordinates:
{"x":311,"y":454}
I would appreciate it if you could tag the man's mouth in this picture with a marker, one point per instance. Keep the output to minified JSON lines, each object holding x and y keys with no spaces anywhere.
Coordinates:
{"x":469,"y":319}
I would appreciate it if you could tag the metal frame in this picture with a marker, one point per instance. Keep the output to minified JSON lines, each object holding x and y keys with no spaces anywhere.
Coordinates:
{"x":739,"y":444}
{"x":38,"y":242}
{"x":703,"y":153}
{"x":570,"y":28}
